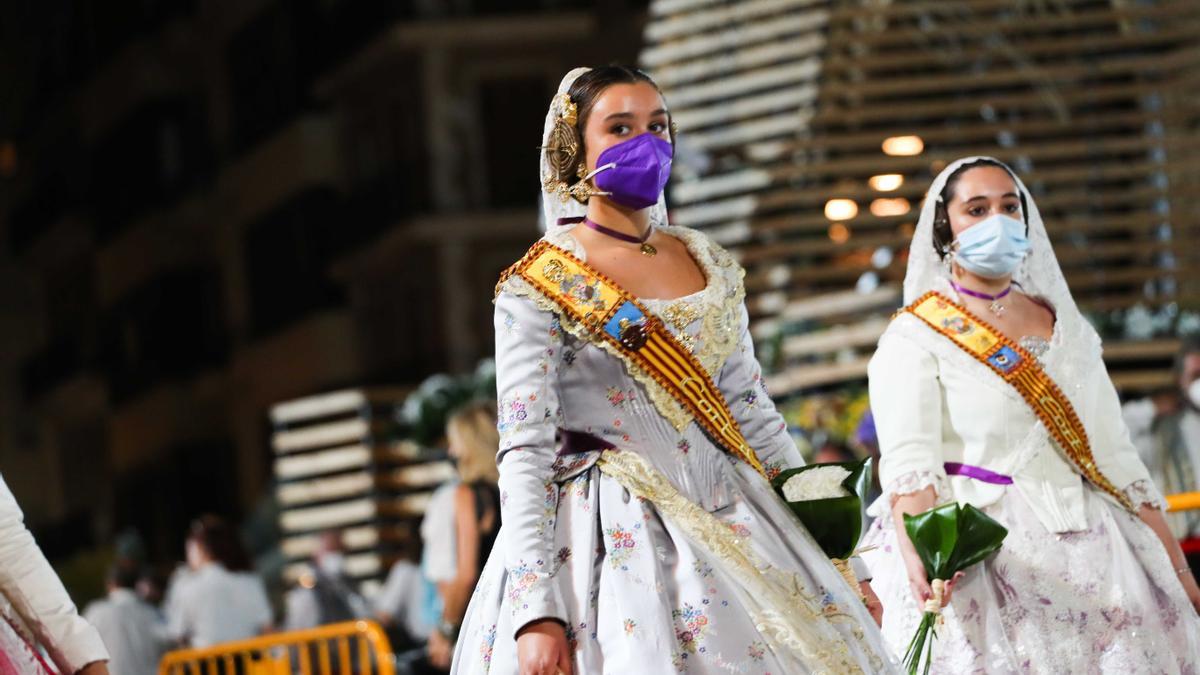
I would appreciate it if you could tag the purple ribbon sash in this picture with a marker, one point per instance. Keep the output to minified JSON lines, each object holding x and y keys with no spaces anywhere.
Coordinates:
{"x":977,"y":472}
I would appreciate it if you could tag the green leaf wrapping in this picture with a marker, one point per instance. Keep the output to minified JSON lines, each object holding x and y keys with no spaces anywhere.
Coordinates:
{"x":948,"y":539}
{"x":951,"y":538}
{"x":835,"y":523}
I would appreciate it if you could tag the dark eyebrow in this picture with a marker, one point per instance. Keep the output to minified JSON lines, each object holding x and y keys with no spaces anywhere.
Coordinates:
{"x":1005,"y":196}
{"x":626,"y":115}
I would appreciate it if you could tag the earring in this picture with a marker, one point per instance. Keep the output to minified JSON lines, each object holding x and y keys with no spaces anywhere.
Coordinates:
{"x":581,"y":171}
{"x":581,"y":191}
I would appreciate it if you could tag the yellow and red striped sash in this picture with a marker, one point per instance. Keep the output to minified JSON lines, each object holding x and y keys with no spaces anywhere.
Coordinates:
{"x":1019,"y":368}
{"x":611,"y":314}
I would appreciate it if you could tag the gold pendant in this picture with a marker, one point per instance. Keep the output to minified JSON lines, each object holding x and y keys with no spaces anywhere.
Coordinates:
{"x":649,"y":250}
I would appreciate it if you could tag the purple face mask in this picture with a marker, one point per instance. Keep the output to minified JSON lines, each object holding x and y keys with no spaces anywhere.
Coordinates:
{"x":633,"y":173}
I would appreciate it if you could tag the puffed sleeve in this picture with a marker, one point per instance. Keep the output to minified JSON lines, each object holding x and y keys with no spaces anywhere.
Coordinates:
{"x":528,"y":351}
{"x":30,"y":584}
{"x":741,"y":382}
{"x":906,"y":401}
{"x":1114,"y":449}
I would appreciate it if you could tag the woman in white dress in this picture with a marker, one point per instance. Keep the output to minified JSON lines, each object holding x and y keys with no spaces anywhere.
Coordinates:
{"x":632,"y":542}
{"x":33,"y":598}
{"x":1089,"y":578}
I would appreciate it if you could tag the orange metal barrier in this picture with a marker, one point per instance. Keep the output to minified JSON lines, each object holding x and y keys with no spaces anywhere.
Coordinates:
{"x":1184,"y":501}
{"x":292,"y":652}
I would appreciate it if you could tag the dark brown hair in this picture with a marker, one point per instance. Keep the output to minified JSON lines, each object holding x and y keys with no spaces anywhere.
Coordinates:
{"x":942,"y":234}
{"x":221,"y":542}
{"x":584,"y":92}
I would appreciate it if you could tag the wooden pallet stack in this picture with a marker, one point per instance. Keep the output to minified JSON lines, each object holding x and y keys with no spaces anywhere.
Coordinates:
{"x":809,"y":131}
{"x":338,"y":466}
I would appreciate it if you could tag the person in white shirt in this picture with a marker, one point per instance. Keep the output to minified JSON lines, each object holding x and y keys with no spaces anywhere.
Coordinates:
{"x":32,"y":594}
{"x":972,"y":388}
{"x":1166,"y":430}
{"x":132,"y":630}
{"x":402,"y":603}
{"x":220,"y":599}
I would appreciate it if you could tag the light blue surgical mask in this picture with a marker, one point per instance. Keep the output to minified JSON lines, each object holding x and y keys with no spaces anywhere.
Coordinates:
{"x":993,"y":247}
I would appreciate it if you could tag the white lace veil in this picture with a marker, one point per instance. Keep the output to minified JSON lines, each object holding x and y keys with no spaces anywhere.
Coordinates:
{"x":1039,"y":275}
{"x":553,"y":207}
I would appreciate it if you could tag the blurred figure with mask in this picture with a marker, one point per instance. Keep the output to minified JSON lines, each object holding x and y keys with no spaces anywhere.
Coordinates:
{"x":1166,"y":430}
{"x":326,"y":594}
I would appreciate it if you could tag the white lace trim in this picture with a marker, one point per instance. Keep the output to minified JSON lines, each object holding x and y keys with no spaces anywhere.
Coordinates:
{"x":1144,"y":492}
{"x":718,"y":302}
{"x":907,"y":484}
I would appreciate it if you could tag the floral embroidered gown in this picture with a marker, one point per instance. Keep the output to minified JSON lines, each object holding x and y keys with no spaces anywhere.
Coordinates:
{"x":1080,"y":585}
{"x":662,"y":553}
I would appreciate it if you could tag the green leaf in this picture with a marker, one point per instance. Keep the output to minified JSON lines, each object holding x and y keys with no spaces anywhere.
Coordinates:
{"x":835,"y":523}
{"x":951,"y":538}
{"x":978,"y":537}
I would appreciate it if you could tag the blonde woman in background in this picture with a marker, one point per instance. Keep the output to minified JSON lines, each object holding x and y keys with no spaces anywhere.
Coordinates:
{"x":463,"y":528}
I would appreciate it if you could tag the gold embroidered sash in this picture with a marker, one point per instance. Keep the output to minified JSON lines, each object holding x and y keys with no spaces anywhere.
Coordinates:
{"x":610,"y":313}
{"x":1019,"y":368}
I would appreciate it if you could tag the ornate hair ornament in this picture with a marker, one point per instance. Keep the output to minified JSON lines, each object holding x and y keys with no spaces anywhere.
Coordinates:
{"x":567,"y":110}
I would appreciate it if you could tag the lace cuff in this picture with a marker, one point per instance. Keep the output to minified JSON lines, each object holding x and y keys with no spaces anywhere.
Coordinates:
{"x":1144,"y":492}
{"x":906,"y":484}
{"x":915,"y":481}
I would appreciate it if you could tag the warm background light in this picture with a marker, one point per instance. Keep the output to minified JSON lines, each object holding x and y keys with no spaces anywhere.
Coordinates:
{"x":890,"y":207}
{"x":886,"y":182}
{"x":840,"y":209}
{"x":839,"y":233}
{"x":903,"y":146}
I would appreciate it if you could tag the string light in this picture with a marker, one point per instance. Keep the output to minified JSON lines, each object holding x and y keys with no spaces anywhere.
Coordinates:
{"x":886,"y":182}
{"x":841,"y":209}
{"x":890,"y":207}
{"x":903,"y":146}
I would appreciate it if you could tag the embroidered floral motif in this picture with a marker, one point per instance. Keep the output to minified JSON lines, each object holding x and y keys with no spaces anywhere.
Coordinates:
{"x":583,"y":289}
{"x":683,"y":445}
{"x":702,"y":569}
{"x":568,"y":358}
{"x":748,"y":399}
{"x":958,"y":324}
{"x":520,"y":580}
{"x":622,"y":545}
{"x":756,"y":651}
{"x":630,"y":626}
{"x":690,"y":627}
{"x":512,"y":414}
{"x":486,"y":646}
{"x":511,"y":325}
{"x":621,"y":398}
{"x":563,"y":555}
